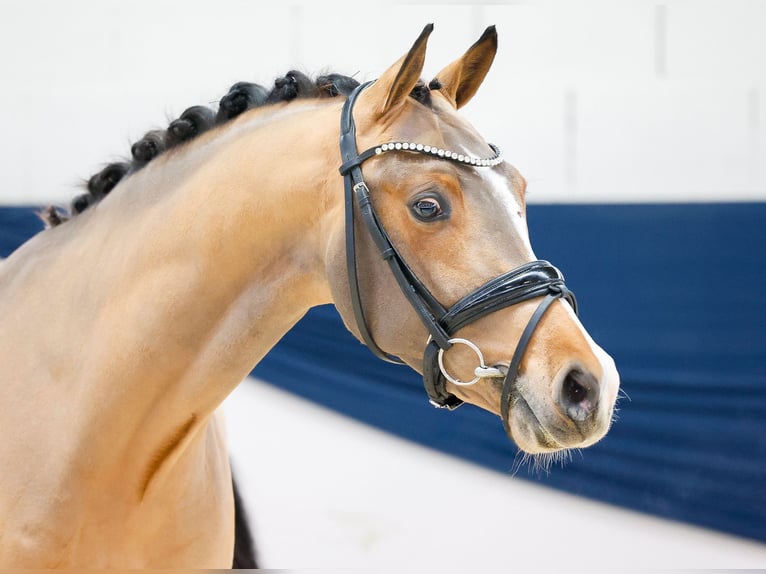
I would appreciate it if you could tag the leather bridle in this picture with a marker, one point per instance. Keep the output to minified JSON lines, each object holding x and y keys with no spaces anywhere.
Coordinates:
{"x":529,"y":281}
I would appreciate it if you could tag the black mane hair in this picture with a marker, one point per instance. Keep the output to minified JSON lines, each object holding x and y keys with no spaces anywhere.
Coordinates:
{"x":195,"y":120}
{"x":241,"y":97}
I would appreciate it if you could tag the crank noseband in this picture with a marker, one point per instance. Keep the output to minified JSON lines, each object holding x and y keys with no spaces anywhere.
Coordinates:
{"x":529,"y":281}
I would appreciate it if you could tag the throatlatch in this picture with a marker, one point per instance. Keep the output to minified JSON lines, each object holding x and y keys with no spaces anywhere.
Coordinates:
{"x":529,"y":281}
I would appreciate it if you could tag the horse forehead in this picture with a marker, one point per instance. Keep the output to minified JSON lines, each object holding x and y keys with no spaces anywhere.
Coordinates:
{"x":435,"y":124}
{"x":500,"y":185}
{"x":504,"y":184}
{"x":458,"y":133}
{"x":501,"y":193}
{"x":442,"y":125}
{"x":507,"y":184}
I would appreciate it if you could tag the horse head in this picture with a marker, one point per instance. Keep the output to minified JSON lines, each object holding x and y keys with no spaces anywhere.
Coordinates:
{"x":440,"y":273}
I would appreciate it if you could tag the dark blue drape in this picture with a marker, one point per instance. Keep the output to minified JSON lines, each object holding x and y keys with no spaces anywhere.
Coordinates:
{"x":674,"y":292}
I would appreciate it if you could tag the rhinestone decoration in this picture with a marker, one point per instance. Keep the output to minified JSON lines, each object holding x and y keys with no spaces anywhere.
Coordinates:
{"x":443,"y":153}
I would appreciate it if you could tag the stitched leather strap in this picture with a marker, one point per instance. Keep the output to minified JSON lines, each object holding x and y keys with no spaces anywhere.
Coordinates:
{"x":529,"y":281}
{"x":357,"y":194}
{"x":509,"y":383}
{"x":351,"y":177}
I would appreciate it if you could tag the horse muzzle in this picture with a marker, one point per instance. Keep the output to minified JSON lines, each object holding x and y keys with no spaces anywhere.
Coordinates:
{"x":575,"y":412}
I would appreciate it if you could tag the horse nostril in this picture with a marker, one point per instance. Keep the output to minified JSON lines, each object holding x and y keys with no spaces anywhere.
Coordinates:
{"x":579,"y":395}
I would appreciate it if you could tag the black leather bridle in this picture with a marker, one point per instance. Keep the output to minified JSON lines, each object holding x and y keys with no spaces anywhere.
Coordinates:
{"x":529,"y":281}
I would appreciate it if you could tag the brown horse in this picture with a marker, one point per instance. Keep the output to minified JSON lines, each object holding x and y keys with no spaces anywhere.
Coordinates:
{"x":125,"y":327}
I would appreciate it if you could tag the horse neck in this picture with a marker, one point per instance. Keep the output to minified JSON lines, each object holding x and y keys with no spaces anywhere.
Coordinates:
{"x":160,"y":301}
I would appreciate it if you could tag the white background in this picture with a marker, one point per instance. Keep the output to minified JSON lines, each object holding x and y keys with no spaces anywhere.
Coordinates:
{"x":609,"y":101}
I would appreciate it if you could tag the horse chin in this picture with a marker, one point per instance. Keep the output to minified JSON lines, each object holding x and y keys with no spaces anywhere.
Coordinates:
{"x":527,"y":431}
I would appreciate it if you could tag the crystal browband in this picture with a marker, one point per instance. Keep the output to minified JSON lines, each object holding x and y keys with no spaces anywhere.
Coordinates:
{"x":443,"y":153}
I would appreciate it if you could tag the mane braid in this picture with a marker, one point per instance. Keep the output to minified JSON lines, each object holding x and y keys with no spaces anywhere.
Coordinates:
{"x":147,"y":148}
{"x":242,"y":96}
{"x":194,"y":121}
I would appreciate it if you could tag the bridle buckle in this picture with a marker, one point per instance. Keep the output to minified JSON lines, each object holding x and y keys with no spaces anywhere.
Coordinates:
{"x":361,"y":187}
{"x":529,"y":281}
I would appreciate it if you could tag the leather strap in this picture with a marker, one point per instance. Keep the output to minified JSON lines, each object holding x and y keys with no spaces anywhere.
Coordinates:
{"x":353,"y":176}
{"x":529,"y":281}
{"x":357,"y":194}
{"x":509,"y":383}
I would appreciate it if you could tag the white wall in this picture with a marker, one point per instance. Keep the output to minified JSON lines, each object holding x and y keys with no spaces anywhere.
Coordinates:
{"x":612,"y":100}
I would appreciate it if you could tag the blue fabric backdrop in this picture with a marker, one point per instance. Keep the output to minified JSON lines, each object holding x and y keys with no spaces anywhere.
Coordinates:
{"x":674,"y":292}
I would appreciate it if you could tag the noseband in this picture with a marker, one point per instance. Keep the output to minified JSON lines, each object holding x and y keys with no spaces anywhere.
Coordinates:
{"x":529,"y":281}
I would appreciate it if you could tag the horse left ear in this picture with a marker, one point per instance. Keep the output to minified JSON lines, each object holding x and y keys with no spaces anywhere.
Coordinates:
{"x":396,"y":83}
{"x":460,"y":80}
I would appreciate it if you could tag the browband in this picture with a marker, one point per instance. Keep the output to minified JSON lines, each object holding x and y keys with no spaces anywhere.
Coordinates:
{"x":529,"y":281}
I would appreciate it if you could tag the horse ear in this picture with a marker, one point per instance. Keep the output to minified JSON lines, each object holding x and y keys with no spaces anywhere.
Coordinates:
{"x":396,"y":83}
{"x":460,"y":80}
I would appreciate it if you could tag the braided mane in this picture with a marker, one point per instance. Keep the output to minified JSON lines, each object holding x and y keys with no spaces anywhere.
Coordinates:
{"x":196,"y":120}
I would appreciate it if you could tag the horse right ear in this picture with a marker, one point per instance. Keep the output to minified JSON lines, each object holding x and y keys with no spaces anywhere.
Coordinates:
{"x":393,"y":87}
{"x":460,"y":80}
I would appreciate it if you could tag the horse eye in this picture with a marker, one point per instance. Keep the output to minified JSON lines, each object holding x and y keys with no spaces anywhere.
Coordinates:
{"x":427,"y":208}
